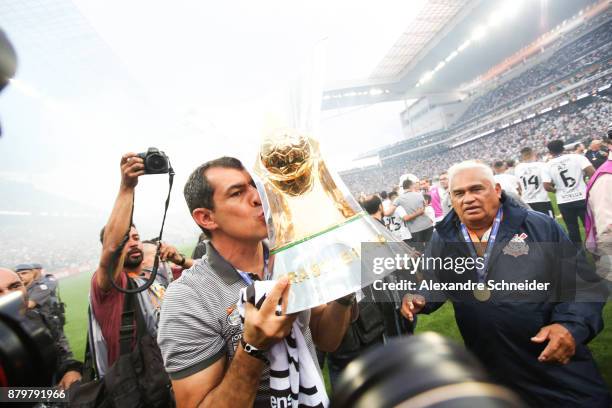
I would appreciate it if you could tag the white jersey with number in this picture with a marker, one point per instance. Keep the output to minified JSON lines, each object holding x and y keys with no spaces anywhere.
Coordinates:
{"x":508,"y":182}
{"x":532,"y":176}
{"x":567,"y":174}
{"x":396,"y":224}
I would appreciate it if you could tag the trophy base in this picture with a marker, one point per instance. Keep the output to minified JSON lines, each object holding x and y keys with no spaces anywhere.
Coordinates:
{"x":328,"y":265}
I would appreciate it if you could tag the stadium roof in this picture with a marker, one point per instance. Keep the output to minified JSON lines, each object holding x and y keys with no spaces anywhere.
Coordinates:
{"x":456,"y":40}
{"x":436,"y":17}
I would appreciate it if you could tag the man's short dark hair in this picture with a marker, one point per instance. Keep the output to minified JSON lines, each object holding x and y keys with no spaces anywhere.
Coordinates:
{"x":392,"y":194}
{"x":526,"y":152}
{"x":104,"y":229}
{"x":498,"y":164}
{"x":510,"y":162}
{"x":199,"y":192}
{"x":372,"y":204}
{"x":407,"y":184}
{"x":555,"y":146}
{"x":383,"y":195}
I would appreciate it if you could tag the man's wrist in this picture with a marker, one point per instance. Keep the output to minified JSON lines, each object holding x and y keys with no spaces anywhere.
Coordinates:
{"x":253,"y":351}
{"x":346,"y":300}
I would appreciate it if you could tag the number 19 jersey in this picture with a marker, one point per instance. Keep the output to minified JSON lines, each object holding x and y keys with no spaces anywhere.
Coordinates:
{"x":532,"y":176}
{"x":567,"y":173}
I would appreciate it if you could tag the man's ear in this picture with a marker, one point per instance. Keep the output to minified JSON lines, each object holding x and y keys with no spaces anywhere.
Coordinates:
{"x":205,"y":218}
{"x":498,"y":190}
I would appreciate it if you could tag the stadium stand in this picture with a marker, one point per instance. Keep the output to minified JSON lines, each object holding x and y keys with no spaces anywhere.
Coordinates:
{"x":561,"y":96}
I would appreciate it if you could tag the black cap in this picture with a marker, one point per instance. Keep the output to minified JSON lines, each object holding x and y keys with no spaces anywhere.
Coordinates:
{"x":37,"y":266}
{"x":23,"y":267}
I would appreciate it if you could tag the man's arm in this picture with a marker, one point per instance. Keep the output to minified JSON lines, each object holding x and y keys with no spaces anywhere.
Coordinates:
{"x":118,"y":223}
{"x":589,"y":171}
{"x":390,"y":210}
{"x":576,"y":319}
{"x":214,"y":386}
{"x":412,"y":216}
{"x":328,"y":325}
{"x":211,"y":387}
{"x":549,"y":186}
{"x":170,"y":253}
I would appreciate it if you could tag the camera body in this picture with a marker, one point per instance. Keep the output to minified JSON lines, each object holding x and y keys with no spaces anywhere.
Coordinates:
{"x":155,"y":161}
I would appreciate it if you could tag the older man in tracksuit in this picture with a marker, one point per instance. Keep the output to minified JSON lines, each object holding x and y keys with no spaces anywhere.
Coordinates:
{"x":533,"y":341}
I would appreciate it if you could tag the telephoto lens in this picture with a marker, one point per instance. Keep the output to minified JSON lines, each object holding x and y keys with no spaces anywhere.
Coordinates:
{"x":426,"y":370}
{"x":27,"y":350}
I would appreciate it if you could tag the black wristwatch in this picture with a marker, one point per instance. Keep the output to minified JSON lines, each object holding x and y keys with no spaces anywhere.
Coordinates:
{"x":182,"y":263}
{"x":254,"y":351}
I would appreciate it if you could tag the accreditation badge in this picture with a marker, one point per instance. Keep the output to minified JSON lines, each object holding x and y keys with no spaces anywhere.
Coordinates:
{"x":517,"y":246}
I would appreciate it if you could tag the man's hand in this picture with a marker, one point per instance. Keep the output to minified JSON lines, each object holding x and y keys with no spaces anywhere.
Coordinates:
{"x":561,"y":344}
{"x":411,"y":305}
{"x":132,"y":167}
{"x":169,"y":253}
{"x":69,"y":378}
{"x":264,"y":327}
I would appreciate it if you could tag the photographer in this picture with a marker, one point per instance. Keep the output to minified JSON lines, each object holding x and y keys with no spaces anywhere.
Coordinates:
{"x":67,"y":369}
{"x":107,"y":303}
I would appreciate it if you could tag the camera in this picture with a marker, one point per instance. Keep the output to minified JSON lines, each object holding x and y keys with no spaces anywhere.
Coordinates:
{"x":155,"y":161}
{"x":27,"y":351}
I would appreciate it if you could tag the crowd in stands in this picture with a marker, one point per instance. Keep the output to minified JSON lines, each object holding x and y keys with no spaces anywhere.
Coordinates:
{"x":592,"y":48}
{"x":573,"y":122}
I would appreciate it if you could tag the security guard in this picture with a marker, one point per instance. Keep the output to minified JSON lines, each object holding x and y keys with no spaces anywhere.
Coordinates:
{"x":44,"y":291}
{"x":43,"y":304}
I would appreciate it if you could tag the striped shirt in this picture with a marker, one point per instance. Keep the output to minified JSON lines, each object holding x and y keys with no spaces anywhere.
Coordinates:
{"x":200,"y":322}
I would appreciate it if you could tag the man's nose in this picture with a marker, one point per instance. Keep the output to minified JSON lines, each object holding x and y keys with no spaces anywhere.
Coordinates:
{"x":255,"y":198}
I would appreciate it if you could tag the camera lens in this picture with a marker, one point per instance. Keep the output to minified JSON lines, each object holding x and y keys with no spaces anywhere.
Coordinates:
{"x":156,"y":162}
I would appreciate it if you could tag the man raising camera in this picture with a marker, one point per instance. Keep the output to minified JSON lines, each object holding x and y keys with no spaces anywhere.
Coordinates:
{"x":107,"y":303}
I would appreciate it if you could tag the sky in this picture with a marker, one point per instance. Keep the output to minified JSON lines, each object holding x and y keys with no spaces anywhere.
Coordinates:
{"x":195,"y":79}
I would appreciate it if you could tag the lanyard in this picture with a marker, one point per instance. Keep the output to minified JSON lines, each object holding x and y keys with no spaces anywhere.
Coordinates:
{"x":481,"y":272}
{"x":247,"y":278}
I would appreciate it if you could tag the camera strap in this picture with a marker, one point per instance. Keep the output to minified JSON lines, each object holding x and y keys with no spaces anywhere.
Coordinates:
{"x":117,"y":253}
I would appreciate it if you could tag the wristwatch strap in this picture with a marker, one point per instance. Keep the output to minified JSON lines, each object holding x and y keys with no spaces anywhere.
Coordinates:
{"x":254,"y":351}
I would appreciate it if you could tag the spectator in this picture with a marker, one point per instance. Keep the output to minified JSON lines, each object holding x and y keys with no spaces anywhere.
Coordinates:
{"x":595,"y":154}
{"x":598,"y":220}
{"x":567,"y":173}
{"x":541,"y":353}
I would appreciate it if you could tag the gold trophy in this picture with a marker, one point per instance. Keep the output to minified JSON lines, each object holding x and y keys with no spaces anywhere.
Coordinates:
{"x":315,"y":226}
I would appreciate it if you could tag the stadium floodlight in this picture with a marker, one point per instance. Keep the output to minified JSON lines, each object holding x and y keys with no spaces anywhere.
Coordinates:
{"x":478,"y":33}
{"x":376,"y":91}
{"x":426,"y":77}
{"x":495,"y":19}
{"x":451,"y":56}
{"x":511,"y":8}
{"x":464,"y":45}
{"x":439,"y":66}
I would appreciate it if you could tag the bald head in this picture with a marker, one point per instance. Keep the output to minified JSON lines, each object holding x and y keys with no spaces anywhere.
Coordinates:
{"x":10,"y":282}
{"x":595,"y":145}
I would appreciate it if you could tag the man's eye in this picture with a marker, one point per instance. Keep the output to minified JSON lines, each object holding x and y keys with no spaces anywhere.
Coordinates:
{"x":236,"y":194}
